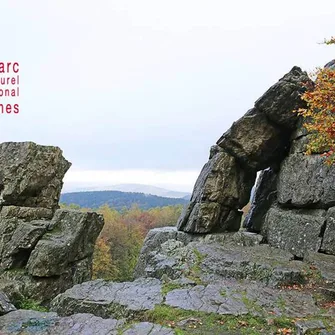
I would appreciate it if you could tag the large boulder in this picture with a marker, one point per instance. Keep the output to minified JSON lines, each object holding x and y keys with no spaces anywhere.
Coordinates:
{"x":222,"y":187}
{"x":31,"y":175}
{"x":255,"y":141}
{"x":295,"y":230}
{"x":278,"y":102}
{"x":71,"y":238}
{"x":306,"y":181}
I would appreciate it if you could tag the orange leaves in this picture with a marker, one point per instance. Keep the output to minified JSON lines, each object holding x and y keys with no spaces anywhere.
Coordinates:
{"x":328,"y":305}
{"x":319,"y":114}
{"x":284,"y":331}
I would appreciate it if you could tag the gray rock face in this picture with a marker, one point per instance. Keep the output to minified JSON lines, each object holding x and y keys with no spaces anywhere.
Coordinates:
{"x":43,"y":257}
{"x":31,"y":175}
{"x":19,"y":285}
{"x":264,"y":196}
{"x":5,"y":305}
{"x":282,"y":98}
{"x":222,"y":187}
{"x":153,"y":241}
{"x":71,"y":238}
{"x":20,"y":230}
{"x":296,"y":231}
{"x":306,"y":181}
{"x":328,"y":241}
{"x":108,"y":299}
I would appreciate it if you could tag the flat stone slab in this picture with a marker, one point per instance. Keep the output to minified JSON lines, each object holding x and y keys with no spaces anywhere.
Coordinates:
{"x":146,"y":328}
{"x":45,"y":323}
{"x":236,"y":298}
{"x":109,"y":299}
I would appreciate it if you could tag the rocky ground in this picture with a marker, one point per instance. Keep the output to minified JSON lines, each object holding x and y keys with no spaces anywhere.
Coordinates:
{"x":189,"y":284}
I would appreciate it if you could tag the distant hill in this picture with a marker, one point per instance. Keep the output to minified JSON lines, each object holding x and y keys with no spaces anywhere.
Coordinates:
{"x":118,"y":199}
{"x":136,"y":188}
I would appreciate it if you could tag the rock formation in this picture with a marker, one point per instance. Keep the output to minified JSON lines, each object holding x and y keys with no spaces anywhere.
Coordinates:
{"x":257,"y":141}
{"x":43,"y":250}
{"x":31,"y":175}
{"x":294,"y":194}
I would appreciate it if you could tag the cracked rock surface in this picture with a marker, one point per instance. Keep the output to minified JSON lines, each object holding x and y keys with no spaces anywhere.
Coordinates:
{"x":236,"y":298}
{"x":47,"y":323}
{"x":109,"y":299}
{"x":218,"y":256}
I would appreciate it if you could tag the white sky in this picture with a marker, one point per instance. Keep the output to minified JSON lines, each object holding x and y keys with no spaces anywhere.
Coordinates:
{"x":137,"y":91}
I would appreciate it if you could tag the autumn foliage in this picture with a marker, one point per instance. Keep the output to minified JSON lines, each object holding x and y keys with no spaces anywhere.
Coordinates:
{"x":319,"y":115}
{"x":121,"y":239}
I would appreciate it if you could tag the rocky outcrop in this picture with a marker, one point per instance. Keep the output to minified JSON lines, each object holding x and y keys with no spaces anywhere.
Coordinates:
{"x":43,"y":250}
{"x":31,"y":175}
{"x":217,"y":256}
{"x":300,"y":218}
{"x":259,"y":140}
{"x":294,"y":194}
{"x":191,"y":277}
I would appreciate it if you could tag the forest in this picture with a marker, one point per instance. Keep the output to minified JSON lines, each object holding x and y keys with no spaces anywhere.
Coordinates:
{"x":120,"y":241}
{"x":118,"y":200}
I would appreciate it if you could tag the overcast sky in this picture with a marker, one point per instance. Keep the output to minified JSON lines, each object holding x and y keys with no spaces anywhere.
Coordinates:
{"x":137,"y":91}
